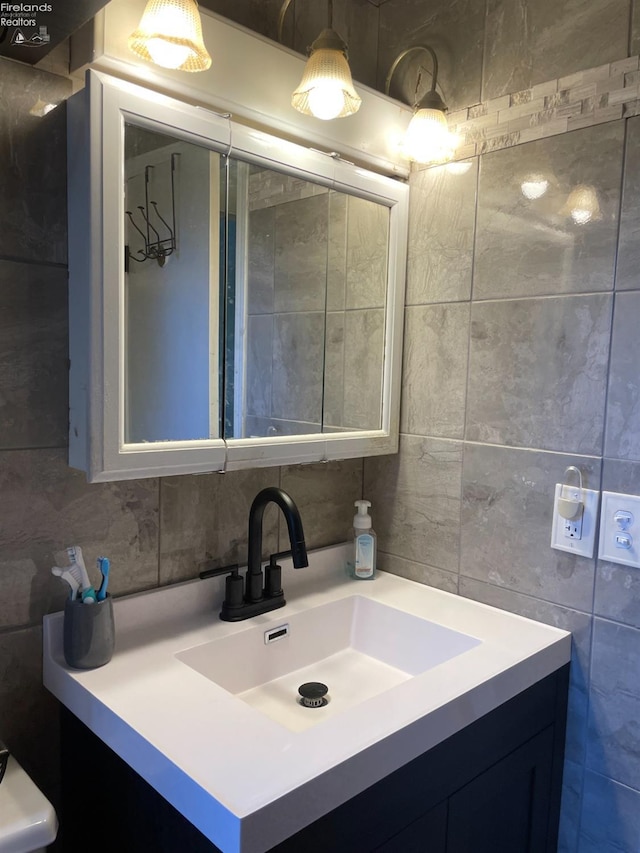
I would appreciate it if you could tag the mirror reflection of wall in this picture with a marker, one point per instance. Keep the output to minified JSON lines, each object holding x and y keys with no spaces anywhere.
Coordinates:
{"x":171,"y":302}
{"x":315,"y":307}
{"x":266,"y":318}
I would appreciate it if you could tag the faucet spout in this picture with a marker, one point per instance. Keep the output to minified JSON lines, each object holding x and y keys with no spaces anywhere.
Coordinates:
{"x":254,"y":591}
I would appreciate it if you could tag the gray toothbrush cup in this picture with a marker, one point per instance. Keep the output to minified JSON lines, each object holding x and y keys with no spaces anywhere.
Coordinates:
{"x":89,"y":633}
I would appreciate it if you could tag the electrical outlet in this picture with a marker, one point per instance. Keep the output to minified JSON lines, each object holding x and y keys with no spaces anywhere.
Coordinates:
{"x":576,"y":535}
{"x":620,"y":529}
{"x":573,"y":529}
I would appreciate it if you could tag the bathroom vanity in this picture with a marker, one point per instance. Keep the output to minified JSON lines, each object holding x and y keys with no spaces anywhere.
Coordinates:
{"x":444,"y":729}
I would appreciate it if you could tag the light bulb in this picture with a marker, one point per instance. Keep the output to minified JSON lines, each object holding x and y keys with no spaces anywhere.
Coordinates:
{"x":326,"y":99}
{"x":166,"y":54}
{"x":170,"y":35}
{"x":427,"y":139}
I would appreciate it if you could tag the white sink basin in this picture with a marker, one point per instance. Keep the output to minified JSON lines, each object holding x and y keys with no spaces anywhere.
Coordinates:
{"x":207,"y":714}
{"x":358,"y":647}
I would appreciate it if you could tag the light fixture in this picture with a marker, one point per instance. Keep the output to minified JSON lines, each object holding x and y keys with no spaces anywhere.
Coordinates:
{"x":326,"y":89}
{"x":427,"y":138}
{"x":534,"y":186}
{"x":170,"y":34}
{"x":582,"y":205}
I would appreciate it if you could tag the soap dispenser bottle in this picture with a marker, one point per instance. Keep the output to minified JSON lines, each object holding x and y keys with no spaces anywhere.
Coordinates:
{"x":362,"y":560}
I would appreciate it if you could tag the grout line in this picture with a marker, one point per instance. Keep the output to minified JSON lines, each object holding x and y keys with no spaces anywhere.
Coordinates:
{"x":32,"y":262}
{"x":159,"y":531}
{"x":517,"y":447}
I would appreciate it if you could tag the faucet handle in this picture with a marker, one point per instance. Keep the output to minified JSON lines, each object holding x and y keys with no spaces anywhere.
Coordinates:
{"x":273,"y":574}
{"x":234,"y":587}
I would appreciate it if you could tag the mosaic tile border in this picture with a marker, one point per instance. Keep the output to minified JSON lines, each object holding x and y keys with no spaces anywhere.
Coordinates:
{"x":594,"y":96}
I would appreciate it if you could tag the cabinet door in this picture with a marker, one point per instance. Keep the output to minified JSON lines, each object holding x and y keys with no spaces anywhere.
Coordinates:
{"x":506,"y":808}
{"x":428,"y":833}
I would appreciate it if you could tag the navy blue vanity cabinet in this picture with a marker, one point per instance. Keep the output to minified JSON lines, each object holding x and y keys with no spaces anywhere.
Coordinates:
{"x":493,"y":787}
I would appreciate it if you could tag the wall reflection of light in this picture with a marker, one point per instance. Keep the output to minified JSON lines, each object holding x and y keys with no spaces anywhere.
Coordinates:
{"x":582,"y":204}
{"x":534,"y":186}
{"x":459,"y":167}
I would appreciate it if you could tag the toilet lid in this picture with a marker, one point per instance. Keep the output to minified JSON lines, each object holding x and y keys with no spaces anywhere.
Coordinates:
{"x":27,"y":818}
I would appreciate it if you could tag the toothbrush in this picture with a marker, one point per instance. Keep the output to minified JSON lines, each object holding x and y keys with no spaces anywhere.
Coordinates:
{"x":66,"y":575}
{"x":79,"y":571}
{"x":103,"y":566}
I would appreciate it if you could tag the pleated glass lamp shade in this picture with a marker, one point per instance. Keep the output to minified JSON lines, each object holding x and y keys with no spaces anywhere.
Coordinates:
{"x":428,"y":139}
{"x":326,"y":89}
{"x":170,"y":34}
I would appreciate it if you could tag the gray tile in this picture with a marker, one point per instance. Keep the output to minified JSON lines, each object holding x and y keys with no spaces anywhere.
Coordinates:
{"x":301,"y":254}
{"x":205,"y":521}
{"x":261,"y":16}
{"x":532,"y":247}
{"x":34,"y":352}
{"x":260,"y":259}
{"x":453,"y":30}
{"x":621,"y":476}
{"x":28,"y":712}
{"x":297,"y":367}
{"x":367,"y":242}
{"x":45,"y":507}
{"x":617,"y":594}
{"x":537,"y":373}
{"x":325,"y":494}
{"x":507,"y":507}
{"x":442,"y":210}
{"x":33,"y":224}
{"x":419,"y":572}
{"x":627,"y":275}
{"x":614,"y":737}
{"x":570,"y":808}
{"x":416,"y":497}
{"x":333,"y":403}
{"x":610,"y":817}
{"x":363,"y":369}
{"x":623,"y":401}
{"x":434,"y":373}
{"x":259,"y":351}
{"x":337,"y":249}
{"x":559,"y":617}
{"x":538,"y":40}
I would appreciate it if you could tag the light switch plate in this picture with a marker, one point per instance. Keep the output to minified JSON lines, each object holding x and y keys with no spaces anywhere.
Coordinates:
{"x":584,"y":546}
{"x":620,"y":529}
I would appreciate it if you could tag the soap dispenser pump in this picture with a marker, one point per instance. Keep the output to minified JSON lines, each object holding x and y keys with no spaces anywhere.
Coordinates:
{"x":362,"y":560}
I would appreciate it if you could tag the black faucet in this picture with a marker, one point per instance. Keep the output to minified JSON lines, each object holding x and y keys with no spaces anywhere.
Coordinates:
{"x":262,"y":594}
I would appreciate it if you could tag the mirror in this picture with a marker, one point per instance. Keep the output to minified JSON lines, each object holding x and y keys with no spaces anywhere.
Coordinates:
{"x":251,"y":293}
{"x":306,"y":272}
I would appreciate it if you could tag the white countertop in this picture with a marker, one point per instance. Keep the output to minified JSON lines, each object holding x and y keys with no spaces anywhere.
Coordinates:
{"x":245,"y":781}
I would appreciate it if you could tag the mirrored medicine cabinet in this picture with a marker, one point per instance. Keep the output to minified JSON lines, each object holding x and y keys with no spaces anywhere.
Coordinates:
{"x":235,"y":299}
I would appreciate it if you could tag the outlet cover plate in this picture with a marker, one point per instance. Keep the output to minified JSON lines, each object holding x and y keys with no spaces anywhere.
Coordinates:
{"x":610,"y":528}
{"x":584,"y":546}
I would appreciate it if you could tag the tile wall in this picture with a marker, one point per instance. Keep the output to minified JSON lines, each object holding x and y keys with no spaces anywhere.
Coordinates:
{"x":521,"y":357}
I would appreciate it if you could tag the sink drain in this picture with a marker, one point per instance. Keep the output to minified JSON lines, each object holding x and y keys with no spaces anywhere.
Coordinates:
{"x":313,"y":694}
